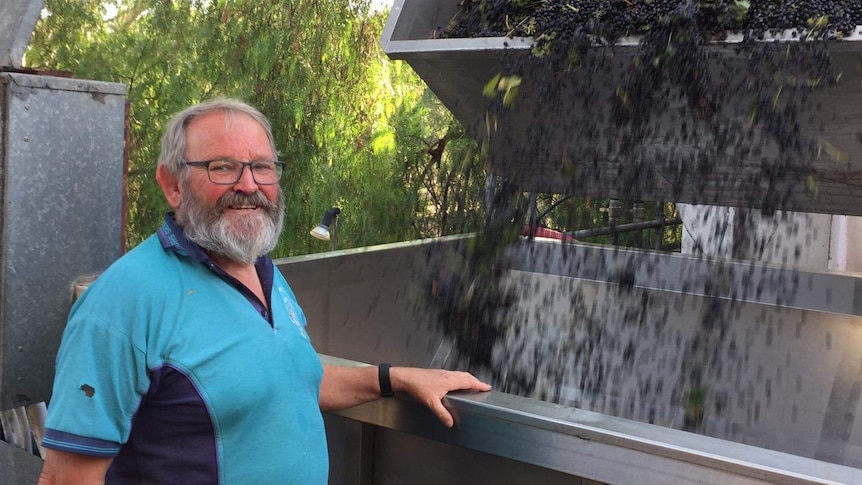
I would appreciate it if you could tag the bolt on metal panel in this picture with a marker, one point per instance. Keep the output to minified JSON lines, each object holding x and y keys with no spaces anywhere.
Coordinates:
{"x":17,"y":20}
{"x":62,"y":211}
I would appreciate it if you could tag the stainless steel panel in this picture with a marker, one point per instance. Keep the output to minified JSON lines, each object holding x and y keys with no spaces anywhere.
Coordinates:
{"x":62,"y":194}
{"x":396,"y":464}
{"x":579,"y":443}
{"x":17,"y":19}
{"x":775,"y":378}
{"x":677,"y":350}
{"x":766,"y":356}
{"x":731,"y":280}
{"x":529,"y":145}
{"x":368,"y":304}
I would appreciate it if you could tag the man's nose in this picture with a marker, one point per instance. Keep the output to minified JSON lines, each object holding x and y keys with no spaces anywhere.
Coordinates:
{"x":246,"y":181}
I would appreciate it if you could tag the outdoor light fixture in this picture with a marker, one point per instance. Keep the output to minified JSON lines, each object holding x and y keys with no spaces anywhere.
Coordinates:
{"x":327,"y":229}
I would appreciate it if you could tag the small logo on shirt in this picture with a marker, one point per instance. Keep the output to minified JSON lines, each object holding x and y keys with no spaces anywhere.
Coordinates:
{"x":290,"y":306}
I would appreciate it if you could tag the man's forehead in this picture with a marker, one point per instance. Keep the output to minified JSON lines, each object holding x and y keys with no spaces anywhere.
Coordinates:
{"x":225,"y":130}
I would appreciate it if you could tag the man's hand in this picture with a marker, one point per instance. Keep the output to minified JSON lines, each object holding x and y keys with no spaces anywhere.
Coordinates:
{"x":428,"y":386}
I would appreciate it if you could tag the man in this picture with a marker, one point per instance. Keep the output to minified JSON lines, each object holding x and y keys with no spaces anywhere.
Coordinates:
{"x":187,"y":360}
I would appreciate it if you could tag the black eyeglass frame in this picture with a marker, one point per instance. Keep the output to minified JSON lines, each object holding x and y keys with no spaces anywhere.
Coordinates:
{"x":206,"y":165}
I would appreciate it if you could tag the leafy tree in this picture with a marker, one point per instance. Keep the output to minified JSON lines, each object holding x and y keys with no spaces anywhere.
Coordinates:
{"x":356,"y":130}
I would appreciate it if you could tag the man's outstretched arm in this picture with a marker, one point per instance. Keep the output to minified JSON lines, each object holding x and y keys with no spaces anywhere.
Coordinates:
{"x":344,"y":387}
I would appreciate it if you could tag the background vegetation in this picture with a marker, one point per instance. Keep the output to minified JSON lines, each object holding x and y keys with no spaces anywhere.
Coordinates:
{"x":358,"y":131}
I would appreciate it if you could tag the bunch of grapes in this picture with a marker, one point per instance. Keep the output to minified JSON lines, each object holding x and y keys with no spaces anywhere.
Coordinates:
{"x":609,"y":20}
{"x":671,"y":55}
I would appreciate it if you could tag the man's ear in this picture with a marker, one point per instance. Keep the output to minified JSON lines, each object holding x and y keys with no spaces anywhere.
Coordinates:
{"x":170,"y":184}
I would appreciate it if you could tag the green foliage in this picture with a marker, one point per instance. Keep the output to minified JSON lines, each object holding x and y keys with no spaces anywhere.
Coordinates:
{"x":444,"y":180}
{"x":738,"y":9}
{"x":358,"y":131}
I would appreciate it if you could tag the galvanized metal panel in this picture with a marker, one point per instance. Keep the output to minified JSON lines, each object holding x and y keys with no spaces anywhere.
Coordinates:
{"x":529,"y":142}
{"x":62,"y":196}
{"x":17,"y":19}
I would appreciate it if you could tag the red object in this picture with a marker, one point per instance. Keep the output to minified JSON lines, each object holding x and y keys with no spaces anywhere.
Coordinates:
{"x":547,"y":233}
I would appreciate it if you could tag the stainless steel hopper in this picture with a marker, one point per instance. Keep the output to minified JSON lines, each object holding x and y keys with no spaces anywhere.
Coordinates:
{"x":647,"y":368}
{"x":528,"y":143}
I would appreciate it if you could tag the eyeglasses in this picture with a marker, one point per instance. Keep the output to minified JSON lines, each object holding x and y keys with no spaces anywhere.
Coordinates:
{"x":228,"y":172}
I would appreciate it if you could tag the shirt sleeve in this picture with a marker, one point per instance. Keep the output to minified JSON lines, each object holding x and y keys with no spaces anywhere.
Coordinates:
{"x":101,"y":377}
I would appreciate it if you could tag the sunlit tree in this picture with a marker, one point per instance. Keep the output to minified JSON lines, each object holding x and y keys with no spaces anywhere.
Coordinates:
{"x":357,"y":130}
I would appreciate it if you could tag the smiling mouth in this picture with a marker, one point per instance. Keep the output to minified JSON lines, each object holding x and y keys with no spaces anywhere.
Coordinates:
{"x":243,"y":202}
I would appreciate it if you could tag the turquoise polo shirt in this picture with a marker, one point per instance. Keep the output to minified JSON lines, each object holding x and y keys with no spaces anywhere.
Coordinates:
{"x":168,"y":367}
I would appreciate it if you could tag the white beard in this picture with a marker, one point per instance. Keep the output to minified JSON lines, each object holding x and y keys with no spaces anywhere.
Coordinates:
{"x":236,"y":237}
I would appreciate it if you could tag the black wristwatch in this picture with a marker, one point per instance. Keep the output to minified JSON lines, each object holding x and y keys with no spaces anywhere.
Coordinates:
{"x":383,"y":378}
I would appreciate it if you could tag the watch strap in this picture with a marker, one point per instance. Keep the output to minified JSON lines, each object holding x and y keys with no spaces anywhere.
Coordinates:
{"x":385,"y":382}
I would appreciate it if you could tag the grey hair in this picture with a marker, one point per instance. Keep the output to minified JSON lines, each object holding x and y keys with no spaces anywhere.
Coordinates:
{"x":174,"y":139}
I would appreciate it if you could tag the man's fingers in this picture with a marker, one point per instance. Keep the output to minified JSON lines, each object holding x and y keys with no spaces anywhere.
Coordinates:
{"x":481,"y":386}
{"x":442,"y":413}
